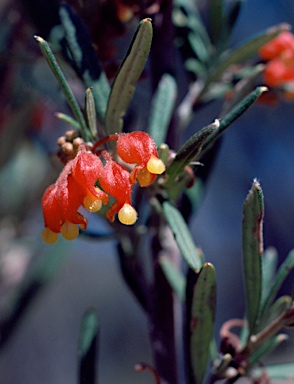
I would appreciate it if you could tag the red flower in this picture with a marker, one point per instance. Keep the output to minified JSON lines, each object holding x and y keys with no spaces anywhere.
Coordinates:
{"x":139,"y":148}
{"x":274,"y":48}
{"x":279,"y":52}
{"x":277,"y":72}
{"x":74,"y":187}
{"x":115,"y":180}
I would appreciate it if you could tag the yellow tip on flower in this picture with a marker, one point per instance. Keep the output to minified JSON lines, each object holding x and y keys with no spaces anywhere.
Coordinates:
{"x":91,"y":203}
{"x":155,"y":165}
{"x":69,"y":231}
{"x":127,"y":215}
{"x":49,"y":236}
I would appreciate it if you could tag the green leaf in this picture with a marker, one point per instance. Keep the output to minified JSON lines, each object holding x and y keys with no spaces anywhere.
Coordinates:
{"x":87,"y":348}
{"x":192,"y":29}
{"x":280,"y":277}
{"x":202,"y":321}
{"x":162,"y":108}
{"x":252,"y":244}
{"x":281,"y":305}
{"x":128,"y":74}
{"x":188,"y":152}
{"x":267,"y":347}
{"x":182,"y":236}
{"x":231,"y":116}
{"x":242,"y":53}
{"x":51,"y":60}
{"x":90,"y":112}
{"x":279,"y":371}
{"x":84,"y":58}
{"x":269,"y":267}
{"x":215,"y":8}
{"x":68,"y":120}
{"x":174,"y":276}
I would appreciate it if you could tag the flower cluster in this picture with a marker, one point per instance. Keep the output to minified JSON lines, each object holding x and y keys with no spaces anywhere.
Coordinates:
{"x":78,"y":184}
{"x":279,"y":55}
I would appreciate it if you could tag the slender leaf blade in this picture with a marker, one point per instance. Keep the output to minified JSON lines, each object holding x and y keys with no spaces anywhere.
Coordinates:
{"x":242,"y":53}
{"x":161,"y":108}
{"x":174,"y":276}
{"x":202,"y":321}
{"x":90,"y":112}
{"x":87,"y":347}
{"x":84,"y":58}
{"x":188,"y":152}
{"x":123,"y":86}
{"x":269,"y":268}
{"x":231,"y":116}
{"x":54,"y":66}
{"x":284,"y":270}
{"x":252,"y":244}
{"x":279,"y":371}
{"x":182,"y":236}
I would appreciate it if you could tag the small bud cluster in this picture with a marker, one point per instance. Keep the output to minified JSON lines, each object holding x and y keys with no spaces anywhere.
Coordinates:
{"x":78,"y":183}
{"x":69,"y":144}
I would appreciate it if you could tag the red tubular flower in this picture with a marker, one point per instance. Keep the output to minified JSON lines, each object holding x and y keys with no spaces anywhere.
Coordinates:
{"x":115,"y":180}
{"x":74,"y":187}
{"x":139,"y":148}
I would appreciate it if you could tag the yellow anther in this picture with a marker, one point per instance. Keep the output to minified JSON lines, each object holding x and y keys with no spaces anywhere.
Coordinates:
{"x":69,"y":231}
{"x":144,"y":177}
{"x":127,"y":215}
{"x":155,"y":165}
{"x":49,"y":236}
{"x":91,"y":203}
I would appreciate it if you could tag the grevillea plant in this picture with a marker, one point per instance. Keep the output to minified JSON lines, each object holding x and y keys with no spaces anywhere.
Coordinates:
{"x":153,"y":185}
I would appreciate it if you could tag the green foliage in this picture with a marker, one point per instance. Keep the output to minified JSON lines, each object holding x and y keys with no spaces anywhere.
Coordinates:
{"x":202,"y":321}
{"x":252,"y":241}
{"x":127,"y":76}
{"x":160,"y":206}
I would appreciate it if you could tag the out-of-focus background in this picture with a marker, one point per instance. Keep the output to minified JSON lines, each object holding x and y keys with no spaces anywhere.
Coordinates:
{"x":42,"y":347}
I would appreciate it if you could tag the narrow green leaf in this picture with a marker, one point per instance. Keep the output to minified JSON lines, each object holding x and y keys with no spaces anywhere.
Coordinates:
{"x":242,"y":53}
{"x":182,"y":236}
{"x":282,"y":273}
{"x":90,"y":112}
{"x":215,"y":9}
{"x":202,"y":321}
{"x":267,"y":347}
{"x":84,"y":58}
{"x":161,"y":108}
{"x":269,"y":268}
{"x":252,"y":244}
{"x":128,"y":74}
{"x":231,"y":116}
{"x":49,"y":56}
{"x":87,"y":347}
{"x":279,"y":371}
{"x":174,"y":276}
{"x":187,"y":18}
{"x":281,"y":305}
{"x":188,"y":152}
{"x":68,"y":120}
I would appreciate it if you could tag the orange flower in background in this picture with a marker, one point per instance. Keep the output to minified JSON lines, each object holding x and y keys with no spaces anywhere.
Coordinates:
{"x":74,"y":187}
{"x":139,"y":148}
{"x":279,"y":52}
{"x":115,"y":180}
{"x":277,"y":46}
